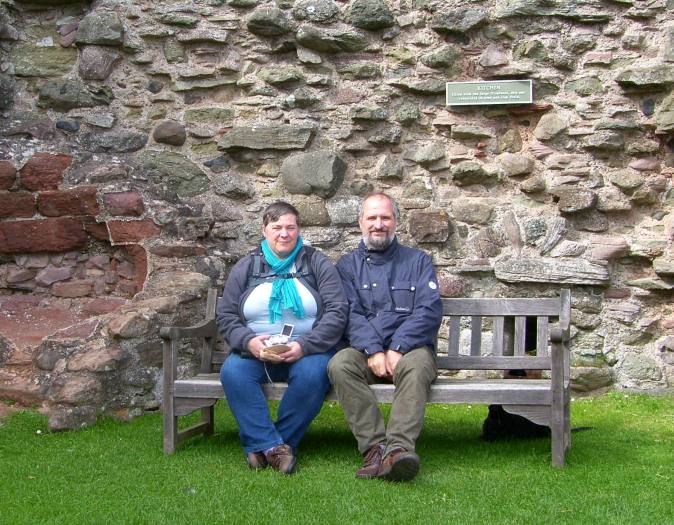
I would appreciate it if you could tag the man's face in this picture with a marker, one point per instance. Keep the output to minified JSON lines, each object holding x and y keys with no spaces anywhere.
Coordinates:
{"x":281,"y":235}
{"x":377,"y":224}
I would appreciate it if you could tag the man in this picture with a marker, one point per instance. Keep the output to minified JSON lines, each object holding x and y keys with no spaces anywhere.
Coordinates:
{"x":394,"y":315}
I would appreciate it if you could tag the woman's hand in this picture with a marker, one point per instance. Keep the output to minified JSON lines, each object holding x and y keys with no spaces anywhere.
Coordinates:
{"x":294,"y":354}
{"x":256,"y":344}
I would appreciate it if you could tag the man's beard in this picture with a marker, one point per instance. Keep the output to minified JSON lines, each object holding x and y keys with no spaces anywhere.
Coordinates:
{"x":378,"y":243}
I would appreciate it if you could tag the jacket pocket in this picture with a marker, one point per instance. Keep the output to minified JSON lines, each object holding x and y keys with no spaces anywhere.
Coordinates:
{"x":402,"y":293}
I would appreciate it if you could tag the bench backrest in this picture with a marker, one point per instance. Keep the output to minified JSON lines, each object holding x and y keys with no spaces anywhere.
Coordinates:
{"x":519,"y":331}
{"x":518,"y":328}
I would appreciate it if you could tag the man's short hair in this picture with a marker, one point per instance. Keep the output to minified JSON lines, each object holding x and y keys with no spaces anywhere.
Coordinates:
{"x":275,"y":210}
{"x":394,"y":204}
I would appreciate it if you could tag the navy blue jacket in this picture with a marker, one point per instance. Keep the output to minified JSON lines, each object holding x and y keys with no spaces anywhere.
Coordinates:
{"x":394,"y":301}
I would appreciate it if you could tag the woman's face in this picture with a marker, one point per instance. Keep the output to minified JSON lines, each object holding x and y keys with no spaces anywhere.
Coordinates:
{"x":281,"y":235}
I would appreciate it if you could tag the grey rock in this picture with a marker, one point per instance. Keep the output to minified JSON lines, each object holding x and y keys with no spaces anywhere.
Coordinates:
{"x":318,"y":172}
{"x":233,"y":185}
{"x":407,"y":113}
{"x":577,"y":10}
{"x":368,"y":113}
{"x":493,"y":56}
{"x":388,"y":167}
{"x":459,"y":21}
{"x":584,"y":86}
{"x":470,"y":131}
{"x":359,"y":71}
{"x":426,"y":153}
{"x":96,"y":62}
{"x":343,"y":211}
{"x":52,"y":274}
{"x":651,"y":283}
{"x":266,"y":137}
{"x":470,"y":172}
{"x":42,"y":61}
{"x":510,"y":141}
{"x":8,"y":32}
{"x":118,"y":141}
{"x":549,"y":126}
{"x":170,"y":132}
{"x":556,"y":230}
{"x":71,"y":418}
{"x":668,"y":48}
{"x":7,"y":87}
{"x":386,"y":135}
{"x":320,"y":11}
{"x":70,"y":126}
{"x":534,"y":228}
{"x":332,"y":40}
{"x":664,"y":115}
{"x":178,"y":19}
{"x":577,"y":271}
{"x":516,"y":165}
{"x":568,"y":249}
{"x":64,"y":95}
{"x":605,"y":141}
{"x":369,"y":14}
{"x":280,"y":75}
{"x":590,"y":378}
{"x":303,"y":98}
{"x":488,"y":243}
{"x":664,"y":266}
{"x":101,"y":120}
{"x":429,"y":226}
{"x":197,"y":36}
{"x":446,"y":57}
{"x":639,"y":367}
{"x":627,"y":180}
{"x":313,"y":213}
{"x":472,"y":211}
{"x":174,"y":51}
{"x":269,"y":21}
{"x":647,"y":79}
{"x":429,"y":86}
{"x":533,"y":185}
{"x":102,"y":28}
{"x":573,"y":199}
{"x":589,"y":220}
{"x":210,"y":115}
{"x":174,"y":172}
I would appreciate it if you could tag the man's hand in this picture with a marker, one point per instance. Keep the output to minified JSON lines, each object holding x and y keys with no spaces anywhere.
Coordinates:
{"x":294,"y":354}
{"x":392,"y":358}
{"x":377,"y":363}
{"x":256,"y":344}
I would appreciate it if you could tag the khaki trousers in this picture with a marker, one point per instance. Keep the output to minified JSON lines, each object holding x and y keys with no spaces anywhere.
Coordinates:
{"x":350,"y":376}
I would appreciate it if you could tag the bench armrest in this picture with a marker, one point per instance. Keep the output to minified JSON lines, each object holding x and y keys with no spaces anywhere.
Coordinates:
{"x":205,"y":328}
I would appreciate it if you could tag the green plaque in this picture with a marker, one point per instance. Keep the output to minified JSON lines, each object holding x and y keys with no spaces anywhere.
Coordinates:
{"x":489,"y":92}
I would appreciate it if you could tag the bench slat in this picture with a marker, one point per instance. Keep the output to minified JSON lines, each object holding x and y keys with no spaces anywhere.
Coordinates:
{"x":497,"y":338}
{"x":487,"y":307}
{"x":542,"y":336}
{"x":485,"y":362}
{"x":475,"y":335}
{"x":506,"y":391}
{"x":454,"y":335}
{"x":520,"y":335}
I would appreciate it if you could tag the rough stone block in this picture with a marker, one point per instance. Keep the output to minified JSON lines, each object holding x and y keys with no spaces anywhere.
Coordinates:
{"x":429,"y":226}
{"x":49,"y":235}
{"x":132,"y":231}
{"x":7,"y":175}
{"x":16,"y":204}
{"x":80,"y":201}
{"x":72,"y":289}
{"x":125,"y":203}
{"x":75,"y":390}
{"x":44,"y":171}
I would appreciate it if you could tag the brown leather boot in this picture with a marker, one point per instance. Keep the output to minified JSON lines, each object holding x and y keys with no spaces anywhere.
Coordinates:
{"x":371,"y":462}
{"x":281,"y":458}
{"x":256,"y":460}
{"x":399,"y":465}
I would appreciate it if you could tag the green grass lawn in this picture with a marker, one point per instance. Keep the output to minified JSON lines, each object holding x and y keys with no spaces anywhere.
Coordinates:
{"x":620,"y":471}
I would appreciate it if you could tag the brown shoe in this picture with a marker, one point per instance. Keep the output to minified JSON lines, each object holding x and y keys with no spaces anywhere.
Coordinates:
{"x":371,"y":462}
{"x":256,"y":460}
{"x":399,"y":465}
{"x":281,"y":458}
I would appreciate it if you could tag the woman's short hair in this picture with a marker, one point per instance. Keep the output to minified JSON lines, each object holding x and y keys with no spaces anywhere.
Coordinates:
{"x":275,"y":210}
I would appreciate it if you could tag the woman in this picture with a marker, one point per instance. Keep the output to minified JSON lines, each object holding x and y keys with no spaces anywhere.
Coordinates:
{"x":281,"y":282}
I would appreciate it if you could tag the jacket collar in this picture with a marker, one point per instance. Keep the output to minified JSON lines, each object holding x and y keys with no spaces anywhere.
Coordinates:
{"x":378,"y":256}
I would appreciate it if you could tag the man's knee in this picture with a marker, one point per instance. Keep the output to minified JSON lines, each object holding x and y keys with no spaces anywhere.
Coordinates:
{"x":342,"y":364}
{"x":419,"y":364}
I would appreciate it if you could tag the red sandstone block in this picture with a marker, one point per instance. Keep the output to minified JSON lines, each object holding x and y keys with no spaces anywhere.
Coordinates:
{"x":125,"y":203}
{"x":177,"y":250}
{"x":80,"y":201}
{"x":138,"y":256}
{"x":617,"y":293}
{"x":44,"y":171}
{"x":16,"y":204}
{"x":7,"y":174}
{"x":48,"y":235}
{"x":132,"y":231}
{"x":98,"y":230}
{"x":72,"y":289}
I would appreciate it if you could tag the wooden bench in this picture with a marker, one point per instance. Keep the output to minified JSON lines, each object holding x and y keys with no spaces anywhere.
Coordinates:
{"x":522,"y":328}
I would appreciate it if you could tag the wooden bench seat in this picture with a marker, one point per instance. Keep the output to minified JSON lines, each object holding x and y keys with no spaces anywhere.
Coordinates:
{"x":524,"y":334}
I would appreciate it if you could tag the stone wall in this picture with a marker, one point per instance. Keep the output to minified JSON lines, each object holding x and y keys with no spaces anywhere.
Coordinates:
{"x":151,"y":135}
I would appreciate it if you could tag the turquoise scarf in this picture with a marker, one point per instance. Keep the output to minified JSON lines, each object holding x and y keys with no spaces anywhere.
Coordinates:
{"x":284,"y":294}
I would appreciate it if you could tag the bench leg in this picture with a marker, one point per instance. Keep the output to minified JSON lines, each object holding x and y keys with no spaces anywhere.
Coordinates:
{"x":208,"y":417}
{"x":170,"y":428}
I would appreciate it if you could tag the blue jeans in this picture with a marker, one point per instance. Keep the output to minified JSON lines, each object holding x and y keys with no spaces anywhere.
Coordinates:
{"x":308,"y":384}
